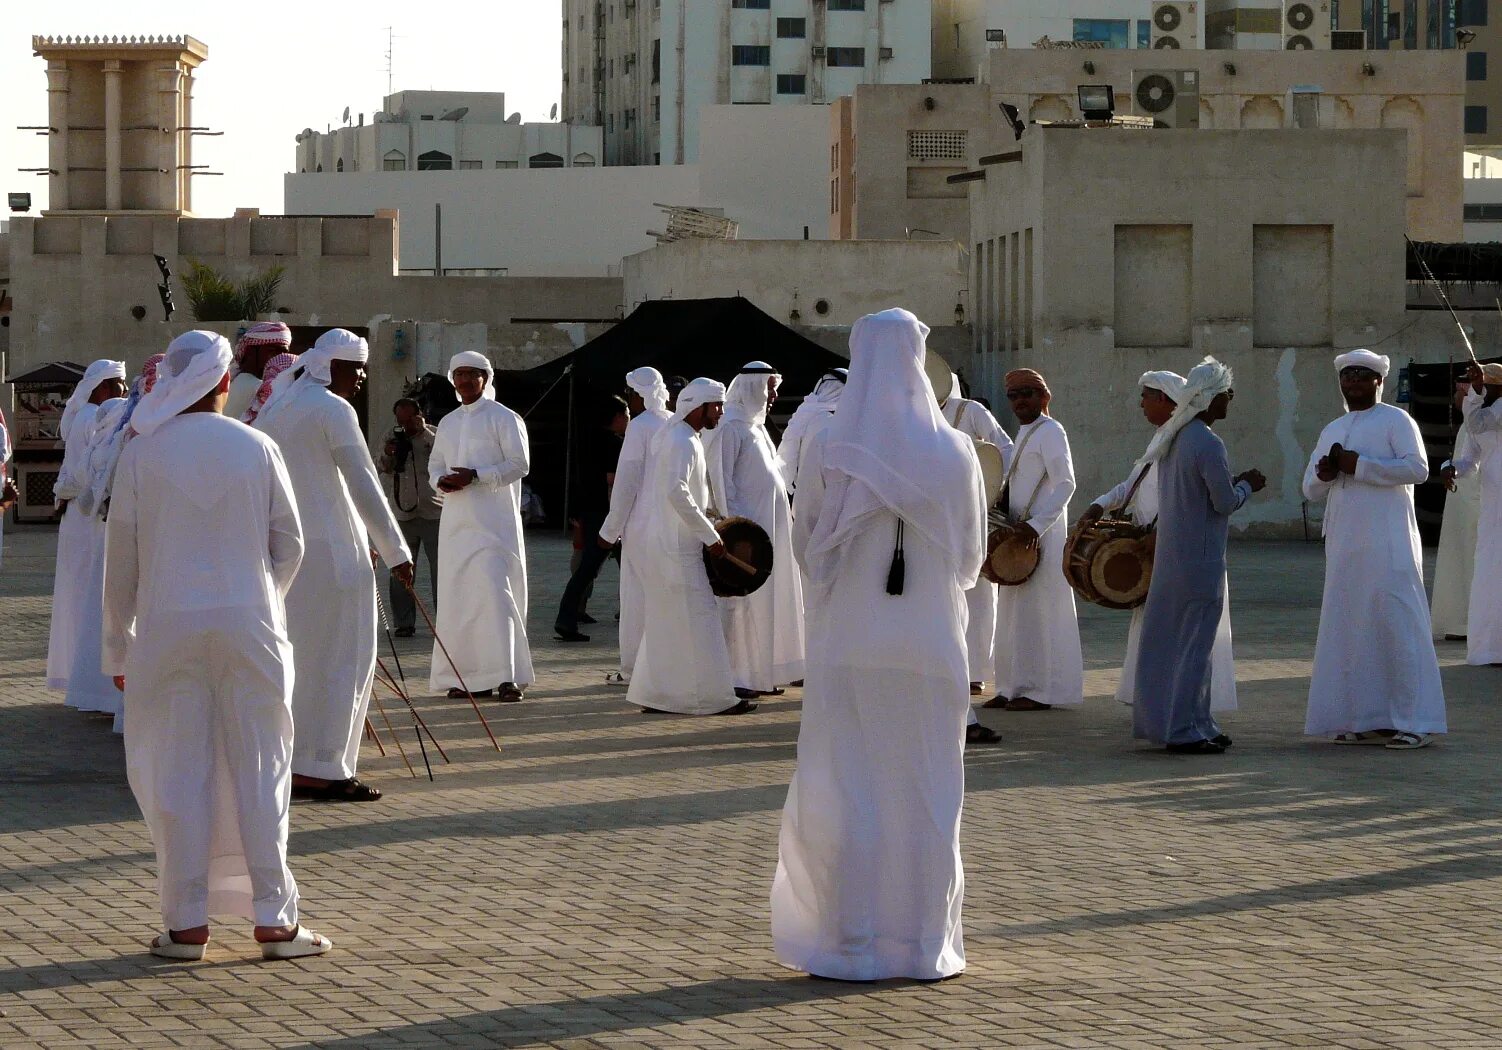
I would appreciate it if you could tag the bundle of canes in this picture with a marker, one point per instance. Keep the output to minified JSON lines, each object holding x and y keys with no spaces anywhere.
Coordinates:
{"x":418,"y":725}
{"x":445,"y":649}
{"x":385,"y":678}
{"x":1439,"y":290}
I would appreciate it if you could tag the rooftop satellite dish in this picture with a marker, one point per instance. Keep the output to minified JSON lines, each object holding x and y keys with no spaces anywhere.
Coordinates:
{"x":346,"y":114}
{"x":455,"y":114}
{"x":553,"y":113}
{"x":515,"y":118}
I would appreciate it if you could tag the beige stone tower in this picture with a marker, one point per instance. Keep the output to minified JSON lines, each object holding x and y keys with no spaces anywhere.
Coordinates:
{"x":119,"y":114}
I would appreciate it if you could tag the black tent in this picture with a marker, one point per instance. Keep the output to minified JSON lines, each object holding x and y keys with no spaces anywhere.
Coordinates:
{"x":686,"y":337}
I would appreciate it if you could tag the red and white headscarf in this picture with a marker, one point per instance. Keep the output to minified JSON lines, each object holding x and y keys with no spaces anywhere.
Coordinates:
{"x":275,"y":367}
{"x":263,"y":333}
{"x":148,"y":372}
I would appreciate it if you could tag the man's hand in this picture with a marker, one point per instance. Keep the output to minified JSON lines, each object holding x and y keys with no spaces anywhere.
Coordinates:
{"x":1255,"y":479}
{"x":389,"y":449}
{"x":1027,"y":532}
{"x":1346,"y":463}
{"x":458,"y":479}
{"x":1447,"y":474}
{"x":9,"y":496}
{"x":604,"y":543}
{"x":120,"y":682}
{"x":716,"y":550}
{"x":1324,"y":470}
{"x":1094,"y":512}
{"x":403,"y":572}
{"x":1473,"y":373}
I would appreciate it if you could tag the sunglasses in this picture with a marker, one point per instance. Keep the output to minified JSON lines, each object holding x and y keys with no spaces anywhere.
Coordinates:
{"x":1357,"y":372}
{"x":1023,"y":392}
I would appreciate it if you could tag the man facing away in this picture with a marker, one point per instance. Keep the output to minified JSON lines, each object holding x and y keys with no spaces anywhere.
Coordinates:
{"x":1455,"y":561}
{"x":593,"y":478}
{"x":1376,"y":678}
{"x":199,"y":500}
{"x":331,"y":607}
{"x":891,"y":521}
{"x":1137,"y":495}
{"x":253,"y":351}
{"x":683,"y":666}
{"x":1186,"y":600}
{"x":647,"y":397}
{"x":479,"y":459}
{"x":404,"y":460}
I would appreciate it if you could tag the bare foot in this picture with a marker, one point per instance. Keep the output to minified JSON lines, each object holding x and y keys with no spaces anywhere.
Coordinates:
{"x":196,"y":935}
{"x":298,"y":780}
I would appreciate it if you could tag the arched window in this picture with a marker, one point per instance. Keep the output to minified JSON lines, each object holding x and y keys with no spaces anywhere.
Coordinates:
{"x":339,"y":164}
{"x":584,"y":160}
{"x":545,"y":160}
{"x":320,"y":167}
{"x":395,"y":160}
{"x":434,"y":160}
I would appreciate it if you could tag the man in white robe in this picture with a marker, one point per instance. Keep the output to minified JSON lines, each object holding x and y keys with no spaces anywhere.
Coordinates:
{"x":869,"y":881}
{"x":478,"y":461}
{"x":809,"y":420}
{"x":764,"y":629}
{"x":203,"y":542}
{"x":1483,"y":455}
{"x":1137,"y":496}
{"x":331,"y":607}
{"x":975,"y":421}
{"x":1038,"y":659}
{"x":1376,"y":679}
{"x":78,"y":542}
{"x":647,"y":398}
{"x":683,"y":666}
{"x":1455,"y":561}
{"x":9,"y":496}
{"x":259,"y":343}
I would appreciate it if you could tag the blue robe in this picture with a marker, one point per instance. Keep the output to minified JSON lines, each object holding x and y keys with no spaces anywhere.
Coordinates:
{"x":1196,"y":498}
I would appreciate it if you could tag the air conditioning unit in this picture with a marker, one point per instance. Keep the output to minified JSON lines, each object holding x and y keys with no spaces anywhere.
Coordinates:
{"x":885,"y":52}
{"x":1306,"y":25}
{"x":1175,"y":24}
{"x":1171,"y":97}
{"x":1348,"y":39}
{"x":817,"y":52}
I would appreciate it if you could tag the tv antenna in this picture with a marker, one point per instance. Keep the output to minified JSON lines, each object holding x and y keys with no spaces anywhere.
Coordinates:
{"x":390,"y":55}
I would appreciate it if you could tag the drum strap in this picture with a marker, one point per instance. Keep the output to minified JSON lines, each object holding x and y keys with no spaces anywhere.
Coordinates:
{"x":1133,"y":491}
{"x":1006,"y":487}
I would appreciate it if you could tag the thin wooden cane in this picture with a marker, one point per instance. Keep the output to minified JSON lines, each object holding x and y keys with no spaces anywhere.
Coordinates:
{"x":472,"y":702}
{"x":370,"y":732}
{"x":1444,"y":298}
{"x":401,"y":694}
{"x":390,"y":729}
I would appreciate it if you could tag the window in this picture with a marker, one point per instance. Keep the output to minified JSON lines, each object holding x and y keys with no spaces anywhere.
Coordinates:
{"x":936,"y":145}
{"x":792,"y":84}
{"x":584,"y":160}
{"x":339,"y":164}
{"x":471,"y":165}
{"x":394,"y":160}
{"x":433,"y":160}
{"x":1475,"y":65}
{"x":752,"y":5}
{"x":506,"y":164}
{"x":1475,"y":120}
{"x":610,"y":123}
{"x":847,"y":5}
{"x":751,"y":55}
{"x":1411,"y":24}
{"x":427,"y":116}
{"x":1109,"y":31}
{"x":834,"y":196}
{"x":656,"y":109}
{"x":1144,"y":33}
{"x":792,"y":28}
{"x":545,"y":160}
{"x":845,"y":56}
{"x":1472,"y":13}
{"x":656,"y":61}
{"x":628,"y":118}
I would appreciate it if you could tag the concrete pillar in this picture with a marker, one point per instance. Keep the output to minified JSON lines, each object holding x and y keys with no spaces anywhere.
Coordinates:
{"x":185,"y":145}
{"x":169,"y":78}
{"x":112,"y":191}
{"x":57,"y":141}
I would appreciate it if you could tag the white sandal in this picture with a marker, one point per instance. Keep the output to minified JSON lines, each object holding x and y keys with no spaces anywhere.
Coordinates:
{"x":164,"y":947}
{"x":305,"y":943}
{"x":1409,"y":741}
{"x":1370,"y":738}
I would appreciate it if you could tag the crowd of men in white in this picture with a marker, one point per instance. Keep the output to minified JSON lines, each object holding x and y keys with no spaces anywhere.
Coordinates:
{"x":215,"y":591}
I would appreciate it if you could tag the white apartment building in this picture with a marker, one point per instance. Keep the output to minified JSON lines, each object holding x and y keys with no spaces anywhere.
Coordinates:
{"x":445,"y":131}
{"x":964,"y":31}
{"x":643,"y":69}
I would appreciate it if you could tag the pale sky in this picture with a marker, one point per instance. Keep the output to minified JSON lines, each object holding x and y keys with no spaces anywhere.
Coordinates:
{"x":276,"y":67}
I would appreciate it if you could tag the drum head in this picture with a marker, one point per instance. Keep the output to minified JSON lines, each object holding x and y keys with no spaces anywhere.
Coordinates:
{"x":1013,"y":560}
{"x":1121,"y":572}
{"x":991,"y":468}
{"x":748,"y":543}
{"x":937,"y":370}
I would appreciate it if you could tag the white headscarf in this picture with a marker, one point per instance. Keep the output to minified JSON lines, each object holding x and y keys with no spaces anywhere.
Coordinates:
{"x":1170,"y":384}
{"x":95,"y":374}
{"x":890,"y":451}
{"x":700,"y":392}
{"x":195,"y":363}
{"x":746,"y":397}
{"x":648,"y":382}
{"x":313,"y":368}
{"x":1205,"y":381}
{"x":821,"y":402}
{"x":1364,"y":359}
{"x":472,"y":359}
{"x":108,"y":427}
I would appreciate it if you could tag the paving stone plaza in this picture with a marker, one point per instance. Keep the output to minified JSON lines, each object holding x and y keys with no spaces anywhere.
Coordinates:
{"x":603,"y":880}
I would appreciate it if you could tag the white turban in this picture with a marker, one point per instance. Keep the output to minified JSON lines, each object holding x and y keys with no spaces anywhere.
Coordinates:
{"x":473,"y":359}
{"x":1206,"y":380}
{"x":1491,"y":375}
{"x":700,"y":392}
{"x":1364,"y":359}
{"x":314,"y":367}
{"x":195,"y":363}
{"x":746,"y":397}
{"x":1170,"y":384}
{"x":95,"y":374}
{"x":648,"y":382}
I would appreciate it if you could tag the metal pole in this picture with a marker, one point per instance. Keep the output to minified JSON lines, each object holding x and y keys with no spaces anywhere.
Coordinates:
{"x":568,"y":446}
{"x":437,"y":240}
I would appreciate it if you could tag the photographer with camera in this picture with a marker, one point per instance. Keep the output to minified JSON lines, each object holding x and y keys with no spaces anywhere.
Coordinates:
{"x":404,"y":469}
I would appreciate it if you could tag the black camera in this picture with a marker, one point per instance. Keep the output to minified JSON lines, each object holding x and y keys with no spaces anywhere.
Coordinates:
{"x":403,"y":443}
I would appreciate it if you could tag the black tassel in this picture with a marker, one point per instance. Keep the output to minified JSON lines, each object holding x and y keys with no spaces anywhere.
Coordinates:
{"x":897,"y":574}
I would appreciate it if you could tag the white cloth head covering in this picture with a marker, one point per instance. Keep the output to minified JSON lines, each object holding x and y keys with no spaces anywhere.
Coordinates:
{"x":821,"y":402}
{"x":1205,"y":381}
{"x":313,"y":368}
{"x":474,"y":359}
{"x":890,"y":450}
{"x":95,"y":374}
{"x":746,"y":397}
{"x":1364,"y":359}
{"x":1170,"y":384}
{"x":1491,"y":375}
{"x":196,"y":362}
{"x":648,"y":382}
{"x":700,"y":392}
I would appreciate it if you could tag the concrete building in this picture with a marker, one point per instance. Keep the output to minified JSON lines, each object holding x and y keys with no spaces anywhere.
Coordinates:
{"x":763,"y":166}
{"x":423,"y":131}
{"x":1249,"y":245}
{"x":966,"y":31}
{"x":643,"y":71}
{"x":120,"y":122}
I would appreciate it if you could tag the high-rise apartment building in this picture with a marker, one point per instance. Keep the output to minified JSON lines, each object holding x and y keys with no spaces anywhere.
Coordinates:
{"x":641,"y":69}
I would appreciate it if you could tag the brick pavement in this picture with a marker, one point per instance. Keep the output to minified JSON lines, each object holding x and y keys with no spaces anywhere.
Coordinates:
{"x":603,"y":881}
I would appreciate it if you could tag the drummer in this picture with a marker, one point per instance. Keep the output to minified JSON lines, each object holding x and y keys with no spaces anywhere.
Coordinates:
{"x":1037,"y":645}
{"x":1136,"y":498}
